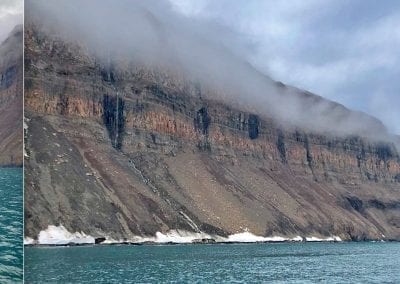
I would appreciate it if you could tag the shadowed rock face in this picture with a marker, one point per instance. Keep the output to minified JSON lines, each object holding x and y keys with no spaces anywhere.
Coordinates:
{"x":202,"y":121}
{"x":11,"y":99}
{"x":113,"y":119}
{"x":132,"y":154}
{"x":253,"y":126}
{"x":8,"y":78}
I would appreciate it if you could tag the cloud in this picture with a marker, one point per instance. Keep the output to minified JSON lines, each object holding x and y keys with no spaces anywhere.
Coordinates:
{"x":11,"y":7}
{"x":346,"y":51}
{"x":387,"y":107}
{"x":203,"y":45}
{"x":10,"y":15}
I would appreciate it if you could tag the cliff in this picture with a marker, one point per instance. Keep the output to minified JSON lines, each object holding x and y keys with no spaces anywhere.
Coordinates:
{"x":11,"y":99}
{"x":118,"y":151}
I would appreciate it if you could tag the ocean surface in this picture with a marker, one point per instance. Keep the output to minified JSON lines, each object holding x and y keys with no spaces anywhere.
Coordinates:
{"x":222,"y":263}
{"x":11,"y":222}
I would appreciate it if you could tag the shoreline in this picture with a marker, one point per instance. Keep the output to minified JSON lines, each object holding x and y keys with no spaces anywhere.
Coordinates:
{"x":196,"y":243}
{"x":201,"y":242}
{"x":59,"y":236}
{"x":11,"y":166}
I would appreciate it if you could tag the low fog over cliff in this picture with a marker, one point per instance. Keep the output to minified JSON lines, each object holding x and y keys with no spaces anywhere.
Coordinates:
{"x":150,"y":33}
{"x":11,"y":47}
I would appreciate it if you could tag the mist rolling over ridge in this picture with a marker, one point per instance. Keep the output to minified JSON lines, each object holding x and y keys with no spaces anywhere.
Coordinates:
{"x":11,"y":49}
{"x":152,"y":34}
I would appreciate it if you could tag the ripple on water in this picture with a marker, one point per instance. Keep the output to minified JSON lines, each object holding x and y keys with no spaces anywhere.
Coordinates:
{"x":11,"y":220}
{"x":219,"y":263}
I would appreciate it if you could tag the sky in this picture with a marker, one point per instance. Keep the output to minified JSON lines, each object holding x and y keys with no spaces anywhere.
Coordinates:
{"x":346,"y":51}
{"x":10,"y":15}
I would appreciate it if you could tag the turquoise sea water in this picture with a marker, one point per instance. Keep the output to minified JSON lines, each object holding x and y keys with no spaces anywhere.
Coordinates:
{"x":232,"y":263}
{"x":11,"y":222}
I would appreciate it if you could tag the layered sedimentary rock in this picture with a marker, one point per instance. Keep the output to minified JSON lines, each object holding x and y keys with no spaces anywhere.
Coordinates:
{"x":11,"y":100}
{"x":122,"y":152}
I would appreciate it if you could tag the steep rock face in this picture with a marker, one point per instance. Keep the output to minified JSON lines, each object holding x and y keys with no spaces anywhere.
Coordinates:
{"x":121,"y":152}
{"x":11,"y":99}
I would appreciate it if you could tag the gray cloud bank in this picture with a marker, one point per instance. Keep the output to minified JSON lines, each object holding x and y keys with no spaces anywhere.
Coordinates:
{"x":346,"y":51}
{"x":153,"y":33}
{"x":10,"y":16}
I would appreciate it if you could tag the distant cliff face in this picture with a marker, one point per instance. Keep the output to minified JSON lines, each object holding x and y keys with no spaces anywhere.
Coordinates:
{"x":123,"y":152}
{"x":11,"y":100}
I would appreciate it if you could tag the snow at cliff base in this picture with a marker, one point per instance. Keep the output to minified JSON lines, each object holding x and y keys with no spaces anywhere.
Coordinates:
{"x":247,"y":237}
{"x":330,"y":239}
{"x":59,"y":235}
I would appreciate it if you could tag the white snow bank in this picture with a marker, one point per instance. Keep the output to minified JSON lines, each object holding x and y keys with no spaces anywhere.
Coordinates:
{"x":297,"y":239}
{"x":29,"y":241}
{"x":330,"y":239}
{"x":54,"y":235}
{"x":247,"y":237}
{"x":59,"y":235}
{"x":111,"y":241}
{"x":26,"y":132}
{"x":181,"y":236}
{"x":178,"y":236}
{"x":175,"y":236}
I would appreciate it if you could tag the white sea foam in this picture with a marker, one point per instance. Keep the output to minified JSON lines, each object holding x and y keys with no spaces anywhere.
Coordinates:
{"x":59,"y":235}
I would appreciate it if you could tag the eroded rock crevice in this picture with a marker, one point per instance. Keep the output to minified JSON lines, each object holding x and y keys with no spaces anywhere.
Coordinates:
{"x":202,"y":122}
{"x":280,"y":144}
{"x":254,"y":124}
{"x":114,"y":119}
{"x":8,"y":77}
